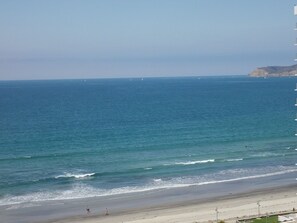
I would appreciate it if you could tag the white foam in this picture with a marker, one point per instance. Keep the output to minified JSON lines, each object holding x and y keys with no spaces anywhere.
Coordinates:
{"x":27,"y":157}
{"x":234,"y":160}
{"x":249,"y":177}
{"x":16,"y":158}
{"x":77,"y":176}
{"x":265,"y":154}
{"x":195,"y":162}
{"x":148,"y":168}
{"x":80,"y":190}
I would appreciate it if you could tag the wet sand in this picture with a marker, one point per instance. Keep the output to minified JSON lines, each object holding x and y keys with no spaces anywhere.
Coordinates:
{"x":229,"y":209}
{"x":179,"y":205}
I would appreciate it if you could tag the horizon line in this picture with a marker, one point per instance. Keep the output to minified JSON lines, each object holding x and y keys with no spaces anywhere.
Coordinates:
{"x":127,"y":77}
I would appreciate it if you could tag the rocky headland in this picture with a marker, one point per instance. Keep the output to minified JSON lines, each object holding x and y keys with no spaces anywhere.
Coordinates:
{"x":274,"y":71}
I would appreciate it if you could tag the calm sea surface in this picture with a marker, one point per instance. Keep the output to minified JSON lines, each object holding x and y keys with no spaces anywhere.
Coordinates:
{"x":84,"y":138}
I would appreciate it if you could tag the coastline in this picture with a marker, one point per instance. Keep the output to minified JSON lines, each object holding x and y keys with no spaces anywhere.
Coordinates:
{"x":230,"y":207}
{"x":188,"y":204}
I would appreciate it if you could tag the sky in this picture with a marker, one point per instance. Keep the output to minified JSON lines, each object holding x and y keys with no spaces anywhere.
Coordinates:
{"x":62,"y":39}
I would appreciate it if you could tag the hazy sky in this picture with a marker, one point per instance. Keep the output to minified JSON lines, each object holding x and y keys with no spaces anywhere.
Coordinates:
{"x":49,"y":39}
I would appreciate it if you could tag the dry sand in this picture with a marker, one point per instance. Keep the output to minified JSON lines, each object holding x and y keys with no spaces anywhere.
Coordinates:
{"x":229,"y":207}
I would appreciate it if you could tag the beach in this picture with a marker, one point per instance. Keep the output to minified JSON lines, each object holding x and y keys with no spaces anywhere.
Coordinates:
{"x":189,"y":204}
{"x":230,"y":208}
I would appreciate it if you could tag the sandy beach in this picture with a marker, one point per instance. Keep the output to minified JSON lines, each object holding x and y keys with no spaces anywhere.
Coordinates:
{"x":230,"y":208}
{"x":236,"y":199}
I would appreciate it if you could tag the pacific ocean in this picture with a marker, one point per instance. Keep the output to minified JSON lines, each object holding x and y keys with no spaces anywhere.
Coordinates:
{"x":66,"y":139}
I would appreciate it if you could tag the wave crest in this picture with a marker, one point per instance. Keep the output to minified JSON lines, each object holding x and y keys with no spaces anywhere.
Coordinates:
{"x":195,"y":162}
{"x":76,"y":176}
{"x":80,"y":190}
{"x":234,"y":160}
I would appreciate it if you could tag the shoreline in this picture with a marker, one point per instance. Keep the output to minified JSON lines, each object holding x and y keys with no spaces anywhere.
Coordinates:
{"x":230,"y":207}
{"x":278,"y":193}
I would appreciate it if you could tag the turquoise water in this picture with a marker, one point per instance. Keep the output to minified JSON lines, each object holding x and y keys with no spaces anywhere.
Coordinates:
{"x":84,"y":138}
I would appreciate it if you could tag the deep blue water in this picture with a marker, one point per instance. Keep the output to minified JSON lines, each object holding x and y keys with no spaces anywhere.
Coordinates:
{"x":82,"y":138}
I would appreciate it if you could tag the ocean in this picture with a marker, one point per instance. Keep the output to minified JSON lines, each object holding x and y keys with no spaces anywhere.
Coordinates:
{"x":67,"y":139}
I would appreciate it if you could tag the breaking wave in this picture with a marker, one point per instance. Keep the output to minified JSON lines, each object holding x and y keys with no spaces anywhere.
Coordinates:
{"x":77,"y":176}
{"x":234,"y":160}
{"x":204,"y":161}
{"x":82,"y":190}
{"x":191,"y":162}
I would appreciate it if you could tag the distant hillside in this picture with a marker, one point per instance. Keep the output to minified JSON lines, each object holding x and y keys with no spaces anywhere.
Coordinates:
{"x":275,"y":71}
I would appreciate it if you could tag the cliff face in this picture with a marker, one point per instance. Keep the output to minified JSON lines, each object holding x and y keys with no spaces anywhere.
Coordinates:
{"x":275,"y":71}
